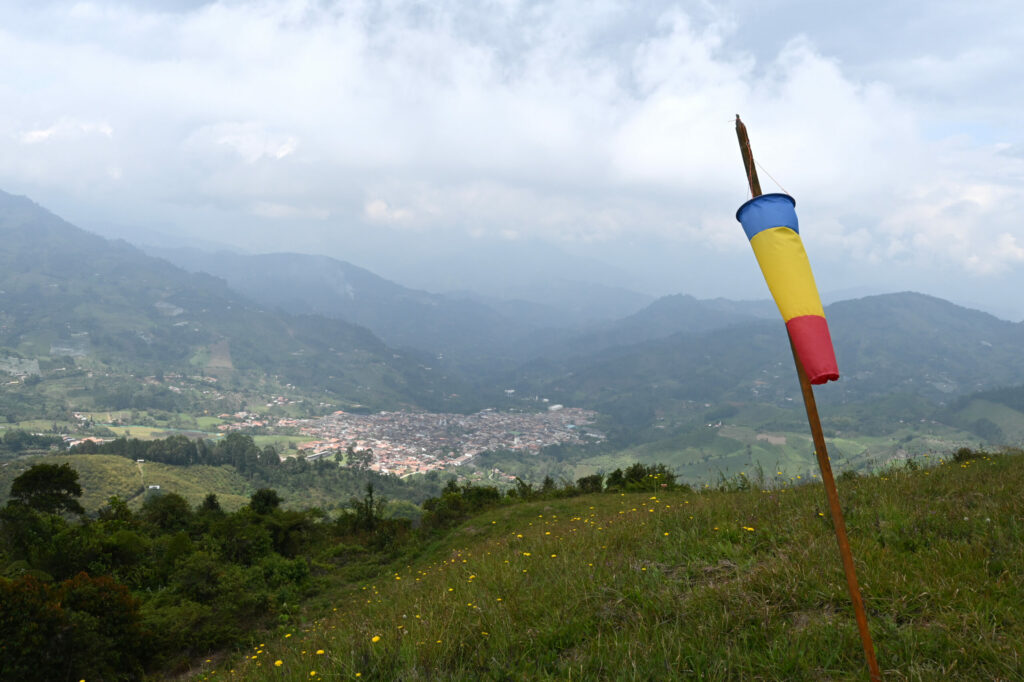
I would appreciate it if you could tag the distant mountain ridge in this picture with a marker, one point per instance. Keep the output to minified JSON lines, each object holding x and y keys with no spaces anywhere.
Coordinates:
{"x":665,"y":317}
{"x":906,"y":343}
{"x":64,"y":291}
{"x":464,"y":324}
{"x":320,"y":285}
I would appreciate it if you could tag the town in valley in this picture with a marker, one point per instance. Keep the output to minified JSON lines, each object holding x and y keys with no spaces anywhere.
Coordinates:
{"x":403,"y":443}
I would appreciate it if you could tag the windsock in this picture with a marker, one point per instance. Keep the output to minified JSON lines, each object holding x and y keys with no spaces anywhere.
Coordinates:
{"x":771,"y":226}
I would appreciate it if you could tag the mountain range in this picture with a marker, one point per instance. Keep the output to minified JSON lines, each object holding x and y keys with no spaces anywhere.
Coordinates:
{"x":70,"y":298}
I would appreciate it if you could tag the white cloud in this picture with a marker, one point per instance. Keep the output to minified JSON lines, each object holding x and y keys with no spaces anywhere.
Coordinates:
{"x":66,"y":128}
{"x":378,"y":210}
{"x":250,"y":141}
{"x":567,"y":122}
{"x":266,"y":209}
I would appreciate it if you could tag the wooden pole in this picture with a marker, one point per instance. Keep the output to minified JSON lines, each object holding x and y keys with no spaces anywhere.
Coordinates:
{"x":820,"y":451}
{"x":748,"y":158}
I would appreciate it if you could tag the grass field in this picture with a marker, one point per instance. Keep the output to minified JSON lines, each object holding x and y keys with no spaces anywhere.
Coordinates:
{"x":1009,"y":420}
{"x":716,"y":585}
{"x":140,"y":432}
{"x":102,"y":476}
{"x":280,"y":443}
{"x":706,"y":454}
{"x":39,"y":425}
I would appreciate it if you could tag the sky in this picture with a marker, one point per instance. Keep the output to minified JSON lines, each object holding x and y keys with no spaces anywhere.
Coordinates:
{"x":436,"y":142}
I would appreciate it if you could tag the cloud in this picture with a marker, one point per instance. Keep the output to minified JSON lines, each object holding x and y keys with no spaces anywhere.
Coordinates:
{"x":265,"y":209}
{"x":378,"y":210}
{"x":574,"y":123}
{"x":66,"y":128}
{"x":250,"y":141}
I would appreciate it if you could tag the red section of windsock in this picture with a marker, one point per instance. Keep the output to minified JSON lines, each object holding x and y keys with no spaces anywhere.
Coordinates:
{"x":813,"y":345}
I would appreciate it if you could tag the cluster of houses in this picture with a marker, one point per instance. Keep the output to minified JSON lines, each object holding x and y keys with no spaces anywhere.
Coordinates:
{"x":415,"y":442}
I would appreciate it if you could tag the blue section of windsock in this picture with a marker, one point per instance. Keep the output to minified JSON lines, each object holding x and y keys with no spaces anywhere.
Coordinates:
{"x":768,"y":211}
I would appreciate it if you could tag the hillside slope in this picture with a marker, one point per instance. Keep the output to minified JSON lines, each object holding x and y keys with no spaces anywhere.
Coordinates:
{"x":717,"y":585}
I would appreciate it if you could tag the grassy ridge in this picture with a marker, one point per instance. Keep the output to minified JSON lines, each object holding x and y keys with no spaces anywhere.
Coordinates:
{"x":704,"y":454}
{"x":102,"y":476}
{"x":718,"y":585}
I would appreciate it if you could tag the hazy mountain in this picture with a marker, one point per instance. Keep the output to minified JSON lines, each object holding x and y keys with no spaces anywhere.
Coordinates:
{"x":402,"y":317}
{"x":897,"y":343}
{"x":462,"y":324}
{"x":470,"y":328}
{"x":584,"y":289}
{"x":66,"y":292}
{"x":667,"y":316}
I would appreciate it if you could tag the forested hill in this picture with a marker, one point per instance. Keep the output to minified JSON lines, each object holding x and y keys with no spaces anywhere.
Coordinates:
{"x":67,"y":293}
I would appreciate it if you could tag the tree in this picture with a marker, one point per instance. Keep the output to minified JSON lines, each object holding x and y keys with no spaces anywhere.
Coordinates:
{"x":269,"y":457}
{"x":90,"y":625}
{"x":359,"y":459}
{"x":210,"y":505}
{"x":591,"y":484}
{"x":264,"y":501}
{"x":368,"y":511}
{"x":168,"y":511}
{"x":48,"y":488}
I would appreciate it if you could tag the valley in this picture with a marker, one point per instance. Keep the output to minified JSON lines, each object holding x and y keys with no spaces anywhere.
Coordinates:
{"x":269,"y":433}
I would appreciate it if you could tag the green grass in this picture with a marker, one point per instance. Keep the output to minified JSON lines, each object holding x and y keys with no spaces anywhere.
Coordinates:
{"x":1009,"y":420}
{"x":718,"y":586}
{"x":37,"y":425}
{"x":140,"y":432}
{"x":109,"y":416}
{"x":280,"y":443}
{"x":194,"y":483}
{"x":705,"y":454}
{"x":208,"y":423}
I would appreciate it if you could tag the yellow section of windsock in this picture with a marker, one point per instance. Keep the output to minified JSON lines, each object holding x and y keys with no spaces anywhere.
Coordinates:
{"x":780,"y":253}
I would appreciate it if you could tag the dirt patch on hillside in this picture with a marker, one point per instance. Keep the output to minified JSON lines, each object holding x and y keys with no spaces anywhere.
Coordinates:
{"x":220,"y":356}
{"x":774,"y":440}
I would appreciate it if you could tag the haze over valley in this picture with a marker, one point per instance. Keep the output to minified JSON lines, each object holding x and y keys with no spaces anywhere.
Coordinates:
{"x":97,"y":328}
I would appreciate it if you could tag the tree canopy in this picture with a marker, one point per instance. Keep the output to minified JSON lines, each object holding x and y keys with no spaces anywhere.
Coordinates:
{"x":48,"y":488}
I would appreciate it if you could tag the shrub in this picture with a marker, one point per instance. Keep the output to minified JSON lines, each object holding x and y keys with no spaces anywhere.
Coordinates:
{"x":591,"y":484}
{"x":83,"y":628}
{"x":964,"y":454}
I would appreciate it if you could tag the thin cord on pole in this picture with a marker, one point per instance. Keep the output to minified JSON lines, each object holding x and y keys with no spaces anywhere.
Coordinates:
{"x":750,"y":170}
{"x":772,"y":177}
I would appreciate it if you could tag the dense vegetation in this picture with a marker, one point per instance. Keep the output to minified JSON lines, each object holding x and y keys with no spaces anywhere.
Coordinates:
{"x":627,"y":575}
{"x":128,"y":591}
{"x":332,"y":482}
